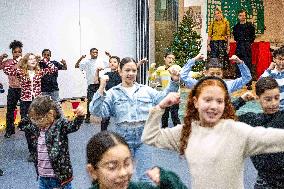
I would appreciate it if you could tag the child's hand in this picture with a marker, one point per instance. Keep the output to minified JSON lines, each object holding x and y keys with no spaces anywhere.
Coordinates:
{"x":4,"y":55}
{"x":169,"y":100}
{"x":63,"y":62}
{"x":248,"y":96}
{"x":100,"y":69}
{"x":104,"y":80}
{"x":199,"y":57}
{"x":272,"y":66}
{"x":143,"y":61}
{"x":153,"y":65}
{"x":236,"y":59}
{"x":107,"y":53}
{"x":154,"y":175}
{"x":175,"y":73}
{"x":79,"y":111}
{"x":83,"y":56}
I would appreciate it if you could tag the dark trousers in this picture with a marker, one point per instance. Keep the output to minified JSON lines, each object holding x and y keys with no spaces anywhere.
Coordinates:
{"x":24,"y":116}
{"x":174,"y":115}
{"x":14,"y":95}
{"x":104,"y":123}
{"x":243,"y":51}
{"x":90,"y":93}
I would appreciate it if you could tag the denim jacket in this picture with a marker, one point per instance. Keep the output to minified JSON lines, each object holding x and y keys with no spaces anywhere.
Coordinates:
{"x":116,"y":102}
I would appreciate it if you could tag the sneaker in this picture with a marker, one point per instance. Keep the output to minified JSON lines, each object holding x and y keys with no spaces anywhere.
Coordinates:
{"x":8,"y":134}
{"x":1,"y":172}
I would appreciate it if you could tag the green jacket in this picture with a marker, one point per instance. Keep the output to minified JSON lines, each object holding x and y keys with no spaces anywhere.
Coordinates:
{"x":169,"y":180}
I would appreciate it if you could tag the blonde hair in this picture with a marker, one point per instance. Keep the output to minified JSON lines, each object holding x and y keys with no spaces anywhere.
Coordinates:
{"x":23,"y":64}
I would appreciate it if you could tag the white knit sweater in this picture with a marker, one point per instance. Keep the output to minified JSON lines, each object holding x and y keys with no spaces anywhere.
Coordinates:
{"x":215,"y":155}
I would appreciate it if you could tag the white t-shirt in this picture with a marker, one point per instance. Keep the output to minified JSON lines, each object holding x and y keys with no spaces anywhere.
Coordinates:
{"x":90,"y":67}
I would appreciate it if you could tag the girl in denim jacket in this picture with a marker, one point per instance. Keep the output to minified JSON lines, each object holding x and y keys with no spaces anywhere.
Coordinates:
{"x":129,"y":103}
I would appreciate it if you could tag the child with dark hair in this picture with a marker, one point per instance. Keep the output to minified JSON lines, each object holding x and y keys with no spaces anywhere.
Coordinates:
{"x":14,"y":91}
{"x":110,"y":165}
{"x":213,"y":142}
{"x":214,"y":68}
{"x":276,"y":71}
{"x":114,"y":79}
{"x":163,"y":77}
{"x":90,"y":66}
{"x":49,"y":140}
{"x":49,"y":85}
{"x":269,"y":166}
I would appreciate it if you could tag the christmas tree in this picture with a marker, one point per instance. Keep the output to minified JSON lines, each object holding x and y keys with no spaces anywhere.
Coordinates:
{"x":186,"y":42}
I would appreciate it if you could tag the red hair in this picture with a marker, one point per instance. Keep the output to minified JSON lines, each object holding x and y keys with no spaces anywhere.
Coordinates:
{"x":191,"y":113}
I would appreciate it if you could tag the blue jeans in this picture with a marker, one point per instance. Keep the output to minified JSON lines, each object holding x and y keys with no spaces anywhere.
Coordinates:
{"x":52,"y":183}
{"x":143,"y":154}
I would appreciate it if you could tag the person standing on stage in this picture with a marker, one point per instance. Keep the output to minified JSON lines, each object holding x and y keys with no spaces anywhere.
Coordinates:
{"x":244,"y":35}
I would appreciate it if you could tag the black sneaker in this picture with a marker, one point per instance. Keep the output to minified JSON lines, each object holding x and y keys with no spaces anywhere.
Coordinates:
{"x":8,"y":134}
{"x":1,"y":172}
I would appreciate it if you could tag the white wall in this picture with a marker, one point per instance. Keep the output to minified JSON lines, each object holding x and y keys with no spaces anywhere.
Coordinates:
{"x":69,"y":28}
{"x":204,"y":35}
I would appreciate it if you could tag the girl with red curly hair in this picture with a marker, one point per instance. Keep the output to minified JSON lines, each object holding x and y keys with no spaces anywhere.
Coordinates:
{"x":213,"y":142}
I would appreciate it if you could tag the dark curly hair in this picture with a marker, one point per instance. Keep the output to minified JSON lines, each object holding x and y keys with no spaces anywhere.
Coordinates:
{"x":15,"y":44}
{"x":191,"y":113}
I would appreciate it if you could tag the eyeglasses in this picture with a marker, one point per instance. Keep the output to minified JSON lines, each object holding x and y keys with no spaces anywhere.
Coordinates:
{"x":39,"y":120}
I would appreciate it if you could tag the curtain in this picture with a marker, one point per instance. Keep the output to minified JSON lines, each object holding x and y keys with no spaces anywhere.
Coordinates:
{"x":142,"y":38}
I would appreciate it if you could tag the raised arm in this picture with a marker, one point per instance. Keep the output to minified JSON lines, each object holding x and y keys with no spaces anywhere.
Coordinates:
{"x":101,"y":104}
{"x":184,"y":75}
{"x":153,"y":134}
{"x":238,"y":83}
{"x":79,"y":60}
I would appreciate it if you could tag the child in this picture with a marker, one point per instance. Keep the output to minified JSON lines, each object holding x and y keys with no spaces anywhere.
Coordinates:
{"x":49,"y":85}
{"x":110,"y":165}
{"x":214,"y":144}
{"x":49,"y":130}
{"x":29,"y":74}
{"x":114,"y":79}
{"x":269,"y":166}
{"x":129,"y":103}
{"x":90,"y":66}
{"x":214,"y":68}
{"x":163,"y":76}
{"x":14,"y":91}
{"x":276,"y":71}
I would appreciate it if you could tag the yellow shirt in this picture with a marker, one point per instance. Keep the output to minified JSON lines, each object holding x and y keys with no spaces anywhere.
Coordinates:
{"x":163,"y":75}
{"x":220,"y":30}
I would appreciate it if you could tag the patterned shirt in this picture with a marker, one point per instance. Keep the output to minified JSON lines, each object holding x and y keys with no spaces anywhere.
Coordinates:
{"x":30,"y":88}
{"x":44,"y":165}
{"x":13,"y":80}
{"x":219,"y":30}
